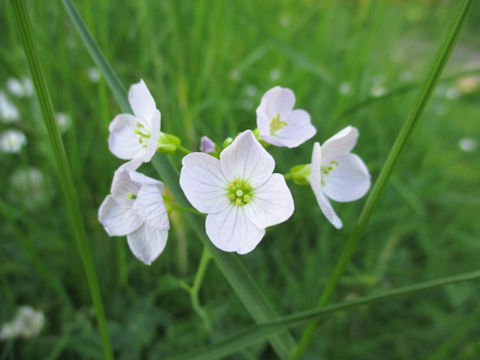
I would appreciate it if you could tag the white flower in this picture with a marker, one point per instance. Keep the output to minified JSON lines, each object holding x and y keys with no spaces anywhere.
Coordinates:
{"x":93,"y":74}
{"x":64,"y":121}
{"x":238,"y":192}
{"x":278,"y":123}
{"x":15,"y":87}
{"x":135,"y":137}
{"x":135,"y":208}
{"x":275,"y":74}
{"x":12,"y":141}
{"x":467,"y":144}
{"x":8,"y":111}
{"x":345,"y":88}
{"x":29,"y":187}
{"x":27,"y":323}
{"x":207,"y":145}
{"x":27,"y":86}
{"x":338,"y":174}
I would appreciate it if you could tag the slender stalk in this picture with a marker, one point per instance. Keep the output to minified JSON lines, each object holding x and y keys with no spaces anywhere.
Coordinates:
{"x":421,"y":101}
{"x":255,"y":334}
{"x":66,"y":180}
{"x":195,"y":289}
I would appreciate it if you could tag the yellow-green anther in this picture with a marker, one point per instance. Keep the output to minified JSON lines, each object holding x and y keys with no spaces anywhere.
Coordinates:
{"x":131,"y":196}
{"x":332,"y":166}
{"x":276,"y":124}
{"x":239,"y":192}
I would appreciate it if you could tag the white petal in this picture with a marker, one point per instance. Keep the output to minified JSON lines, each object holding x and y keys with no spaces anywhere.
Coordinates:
{"x":299,"y":129}
{"x":203,"y":182}
{"x":341,"y":143}
{"x":271,"y":204}
{"x":127,"y":181}
{"x":316,"y":184}
{"x":276,"y":100}
{"x":246,"y":159}
{"x":141,"y":101}
{"x":146,"y":243}
{"x":117,"y":217}
{"x":231,"y":230}
{"x":149,"y":206}
{"x":349,"y":181}
{"x":122,"y":141}
{"x":154,"y":135}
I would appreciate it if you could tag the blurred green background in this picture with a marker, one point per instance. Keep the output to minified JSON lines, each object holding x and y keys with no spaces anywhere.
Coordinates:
{"x":207,"y":64}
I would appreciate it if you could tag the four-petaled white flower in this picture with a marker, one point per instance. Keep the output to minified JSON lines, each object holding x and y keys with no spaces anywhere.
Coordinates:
{"x":338,"y":174}
{"x":136,"y":208}
{"x":12,"y":141}
{"x":278,"y":123}
{"x":135,"y":137}
{"x":239,"y":192}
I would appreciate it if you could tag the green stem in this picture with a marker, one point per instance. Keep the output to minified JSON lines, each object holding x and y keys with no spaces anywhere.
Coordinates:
{"x":195,"y":289}
{"x":185,"y":209}
{"x":66,"y":180}
{"x":421,"y":101}
{"x":183,"y":149}
{"x":255,"y":334}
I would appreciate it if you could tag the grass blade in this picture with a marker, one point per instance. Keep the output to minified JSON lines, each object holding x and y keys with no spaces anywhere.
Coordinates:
{"x":257,"y":304}
{"x":421,"y":101}
{"x":66,"y":180}
{"x":255,"y":334}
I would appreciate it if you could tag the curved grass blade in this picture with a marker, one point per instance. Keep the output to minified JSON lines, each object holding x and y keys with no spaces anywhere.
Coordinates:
{"x":421,"y":101}
{"x":257,"y":304}
{"x":66,"y":180}
{"x":255,"y":334}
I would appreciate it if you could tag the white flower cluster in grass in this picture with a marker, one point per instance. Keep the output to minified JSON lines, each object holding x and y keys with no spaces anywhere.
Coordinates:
{"x":27,"y":323}
{"x":12,"y":141}
{"x":8,"y":111}
{"x":20,"y":88}
{"x":233,"y":184}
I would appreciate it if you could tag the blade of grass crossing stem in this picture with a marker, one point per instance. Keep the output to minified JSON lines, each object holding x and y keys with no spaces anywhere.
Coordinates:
{"x":255,"y":334}
{"x":257,"y":304}
{"x":421,"y":101}
{"x":66,"y":180}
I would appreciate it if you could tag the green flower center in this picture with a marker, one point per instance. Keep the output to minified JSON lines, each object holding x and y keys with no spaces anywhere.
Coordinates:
{"x":276,"y":124}
{"x":131,"y":196}
{"x":240,"y":192}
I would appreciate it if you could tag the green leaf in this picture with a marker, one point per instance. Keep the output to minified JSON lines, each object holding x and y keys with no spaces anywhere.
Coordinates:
{"x":63,"y":168}
{"x":255,"y":301}
{"x":255,"y":334}
{"x":421,"y":101}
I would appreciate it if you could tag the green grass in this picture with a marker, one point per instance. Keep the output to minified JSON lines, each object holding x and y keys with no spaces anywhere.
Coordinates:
{"x":425,"y":226}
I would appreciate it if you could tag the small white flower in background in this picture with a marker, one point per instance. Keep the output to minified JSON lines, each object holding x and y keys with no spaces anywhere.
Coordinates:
{"x":251,"y":91}
{"x":378,"y":88}
{"x":93,"y":74}
{"x":135,"y":208}
{"x":207,"y":145}
{"x":275,"y":74}
{"x":63,"y":121}
{"x":12,"y":141}
{"x":20,"y":88}
{"x":407,"y":75}
{"x":278,"y":123}
{"x":239,"y":192}
{"x":29,"y":187}
{"x":135,"y":137}
{"x":338,"y":174}
{"x":285,"y":20}
{"x":15,"y":87}
{"x":467,"y":144}
{"x":8,"y":111}
{"x":27,"y":323}
{"x":452,"y":93}
{"x":345,"y":88}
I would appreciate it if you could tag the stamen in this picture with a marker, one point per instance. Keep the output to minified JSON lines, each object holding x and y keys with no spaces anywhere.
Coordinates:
{"x":276,"y":124}
{"x":131,"y":196}
{"x":240,"y":192}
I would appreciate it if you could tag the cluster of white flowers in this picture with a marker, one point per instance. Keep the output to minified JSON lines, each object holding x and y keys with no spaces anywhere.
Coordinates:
{"x":234,"y":184}
{"x":12,"y":141}
{"x":27,"y":323}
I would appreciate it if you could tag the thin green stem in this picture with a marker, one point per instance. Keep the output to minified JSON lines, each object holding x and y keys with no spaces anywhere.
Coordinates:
{"x":183,"y":149}
{"x":185,"y":209}
{"x":195,"y":289}
{"x":66,"y":180}
{"x":255,"y":334}
{"x":422,"y":98}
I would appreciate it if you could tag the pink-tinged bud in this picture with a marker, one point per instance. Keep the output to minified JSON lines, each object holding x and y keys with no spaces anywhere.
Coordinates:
{"x":207,"y":145}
